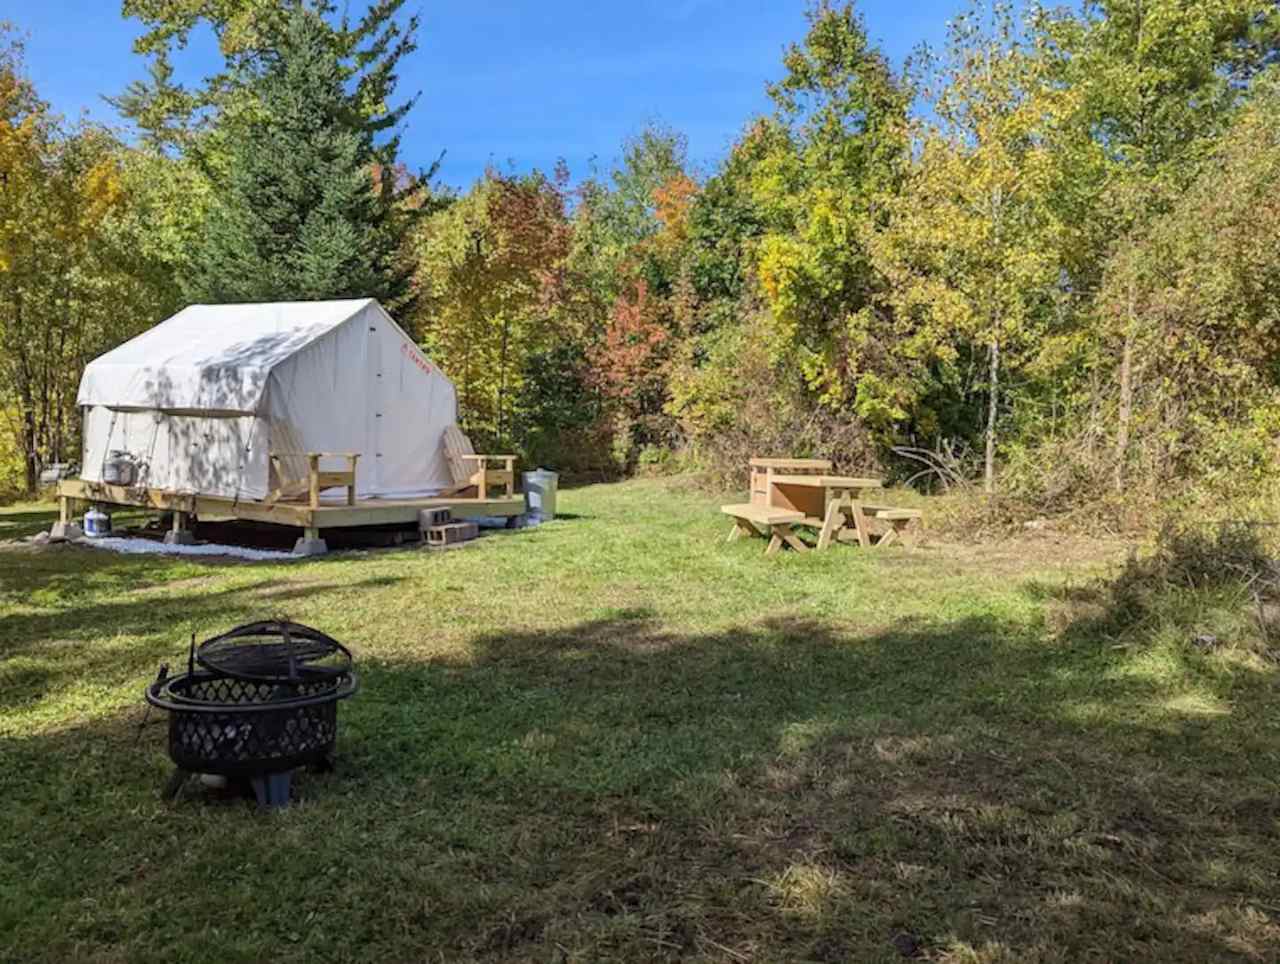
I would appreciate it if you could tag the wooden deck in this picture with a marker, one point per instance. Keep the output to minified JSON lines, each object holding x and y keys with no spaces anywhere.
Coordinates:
{"x":328,"y":515}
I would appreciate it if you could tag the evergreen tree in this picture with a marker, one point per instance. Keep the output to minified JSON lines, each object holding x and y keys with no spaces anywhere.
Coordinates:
{"x":304,"y":204}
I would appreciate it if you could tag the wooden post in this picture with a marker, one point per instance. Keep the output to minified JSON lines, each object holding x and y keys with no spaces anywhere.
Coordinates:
{"x":64,"y":509}
{"x":351,"y":467}
{"x":179,"y":520}
{"x":511,"y":478}
{"x":313,"y":476}
{"x":311,"y":532}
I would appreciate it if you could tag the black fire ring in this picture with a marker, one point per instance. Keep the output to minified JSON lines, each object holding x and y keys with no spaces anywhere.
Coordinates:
{"x":262,"y":702}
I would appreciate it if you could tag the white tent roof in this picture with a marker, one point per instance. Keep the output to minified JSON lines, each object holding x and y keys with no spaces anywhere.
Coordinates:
{"x":210,"y":358}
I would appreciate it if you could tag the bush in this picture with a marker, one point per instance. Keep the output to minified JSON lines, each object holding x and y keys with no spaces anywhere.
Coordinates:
{"x":1191,"y":572}
{"x":733,"y":403}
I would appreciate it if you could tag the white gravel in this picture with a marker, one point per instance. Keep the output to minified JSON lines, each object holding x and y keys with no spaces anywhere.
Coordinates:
{"x":149,"y":546}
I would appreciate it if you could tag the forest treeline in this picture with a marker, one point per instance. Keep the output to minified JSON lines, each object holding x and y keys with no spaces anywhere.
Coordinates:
{"x":1043,"y":259}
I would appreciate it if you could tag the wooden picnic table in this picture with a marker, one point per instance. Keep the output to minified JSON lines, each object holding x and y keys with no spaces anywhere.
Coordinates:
{"x":830,"y":503}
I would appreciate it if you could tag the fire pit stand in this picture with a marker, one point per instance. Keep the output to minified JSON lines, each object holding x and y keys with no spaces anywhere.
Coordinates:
{"x":255,"y":704}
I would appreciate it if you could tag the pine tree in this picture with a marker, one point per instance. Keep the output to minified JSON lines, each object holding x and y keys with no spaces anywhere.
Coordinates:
{"x":305,"y":205}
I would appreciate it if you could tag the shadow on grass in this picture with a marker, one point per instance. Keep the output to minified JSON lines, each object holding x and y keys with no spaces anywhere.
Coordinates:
{"x":45,"y":650}
{"x":20,"y":525}
{"x":778,"y":790}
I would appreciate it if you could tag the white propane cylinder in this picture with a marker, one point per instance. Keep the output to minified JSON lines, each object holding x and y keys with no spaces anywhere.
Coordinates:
{"x":97,"y":523}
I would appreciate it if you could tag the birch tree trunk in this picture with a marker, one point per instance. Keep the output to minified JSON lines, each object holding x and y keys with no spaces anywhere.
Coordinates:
{"x":1125,"y":415}
{"x":993,"y":402}
{"x":502,"y":374}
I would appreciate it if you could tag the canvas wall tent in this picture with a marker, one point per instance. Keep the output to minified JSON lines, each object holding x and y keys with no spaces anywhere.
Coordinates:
{"x":203,"y":398}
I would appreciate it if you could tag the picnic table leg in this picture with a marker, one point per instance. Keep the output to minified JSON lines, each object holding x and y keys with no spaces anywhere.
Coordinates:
{"x":790,"y":538}
{"x":860,"y":523}
{"x":784,"y":535}
{"x":832,"y":524}
{"x":740,"y":528}
{"x":902,"y":531}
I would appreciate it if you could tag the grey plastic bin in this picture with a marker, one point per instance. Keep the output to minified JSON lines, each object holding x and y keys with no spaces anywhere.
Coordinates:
{"x":540,"y":493}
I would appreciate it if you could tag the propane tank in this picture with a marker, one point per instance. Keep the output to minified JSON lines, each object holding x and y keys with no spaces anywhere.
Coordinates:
{"x":120,"y":469}
{"x":97,"y":523}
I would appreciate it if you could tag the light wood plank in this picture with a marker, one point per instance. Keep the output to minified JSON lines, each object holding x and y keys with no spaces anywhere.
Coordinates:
{"x":783,"y":463}
{"x":827,"y":481}
{"x":761,"y":514}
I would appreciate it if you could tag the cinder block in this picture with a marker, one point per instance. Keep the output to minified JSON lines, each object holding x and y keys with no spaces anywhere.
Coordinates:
{"x":427,"y":518}
{"x":450,"y":534}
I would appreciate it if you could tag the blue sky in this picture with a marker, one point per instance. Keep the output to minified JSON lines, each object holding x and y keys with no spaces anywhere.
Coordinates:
{"x":517,"y":82}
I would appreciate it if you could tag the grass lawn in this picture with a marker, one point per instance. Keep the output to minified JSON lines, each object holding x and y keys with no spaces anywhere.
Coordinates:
{"x":616,"y":737}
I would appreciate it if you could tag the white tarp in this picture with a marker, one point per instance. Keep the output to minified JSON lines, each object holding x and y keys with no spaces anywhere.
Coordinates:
{"x":202,"y":399}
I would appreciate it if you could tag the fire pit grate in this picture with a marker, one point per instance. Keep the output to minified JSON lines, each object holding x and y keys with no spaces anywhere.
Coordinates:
{"x":263,"y":702}
{"x":272,"y":651}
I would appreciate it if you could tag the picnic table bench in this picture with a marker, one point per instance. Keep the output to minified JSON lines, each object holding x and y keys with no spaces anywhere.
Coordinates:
{"x":901,"y":524}
{"x":776,"y":523}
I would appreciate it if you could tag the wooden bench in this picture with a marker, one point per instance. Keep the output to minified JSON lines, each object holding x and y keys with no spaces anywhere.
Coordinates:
{"x":317,"y":480}
{"x":776,"y":523}
{"x":899,"y":523}
{"x":472,"y":472}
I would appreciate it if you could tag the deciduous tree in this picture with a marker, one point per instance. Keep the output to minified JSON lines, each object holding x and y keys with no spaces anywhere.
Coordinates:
{"x":969,"y":251}
{"x":842,"y":143}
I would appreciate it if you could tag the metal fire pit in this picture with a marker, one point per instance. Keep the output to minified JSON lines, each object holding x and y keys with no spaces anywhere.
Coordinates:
{"x":256,"y":703}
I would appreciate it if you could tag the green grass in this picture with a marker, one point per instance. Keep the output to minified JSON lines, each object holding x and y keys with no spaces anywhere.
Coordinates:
{"x":616,"y":737}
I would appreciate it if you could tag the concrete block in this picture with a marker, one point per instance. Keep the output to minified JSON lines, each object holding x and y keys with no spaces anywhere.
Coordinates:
{"x":182,"y":537}
{"x":429,"y":518}
{"x":65,"y":532}
{"x":451,"y":534}
{"x":310,"y":547}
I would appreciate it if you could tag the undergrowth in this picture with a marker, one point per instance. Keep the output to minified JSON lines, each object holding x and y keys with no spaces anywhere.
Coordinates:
{"x":1208,"y":586}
